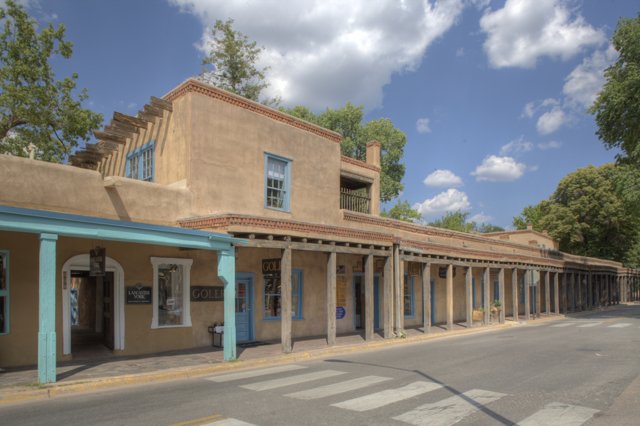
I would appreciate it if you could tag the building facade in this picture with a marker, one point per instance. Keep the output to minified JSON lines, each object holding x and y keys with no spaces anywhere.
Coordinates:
{"x":207,"y":208}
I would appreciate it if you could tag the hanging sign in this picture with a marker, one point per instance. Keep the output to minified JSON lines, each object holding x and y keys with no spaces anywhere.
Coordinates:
{"x":97,"y":261}
{"x":271,"y":266}
{"x":138,"y":295}
{"x":340,"y":312}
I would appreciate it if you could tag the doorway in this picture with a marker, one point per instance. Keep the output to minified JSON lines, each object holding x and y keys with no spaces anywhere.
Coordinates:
{"x":91,"y":302}
{"x":244,"y":308}
{"x":359,"y":301}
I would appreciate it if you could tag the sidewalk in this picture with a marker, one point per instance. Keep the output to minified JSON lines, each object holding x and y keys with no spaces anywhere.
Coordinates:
{"x":19,"y":385}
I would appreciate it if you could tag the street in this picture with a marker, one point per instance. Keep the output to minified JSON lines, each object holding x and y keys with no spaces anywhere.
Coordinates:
{"x":582,"y":370}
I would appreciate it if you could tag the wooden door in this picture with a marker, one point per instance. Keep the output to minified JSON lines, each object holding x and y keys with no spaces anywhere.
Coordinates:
{"x":108,"y":310}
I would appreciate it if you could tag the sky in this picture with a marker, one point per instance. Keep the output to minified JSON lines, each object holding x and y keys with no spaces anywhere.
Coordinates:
{"x":491,"y":94}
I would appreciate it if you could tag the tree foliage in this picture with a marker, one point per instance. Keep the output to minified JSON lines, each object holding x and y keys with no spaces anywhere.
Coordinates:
{"x":37,"y":112}
{"x":402,"y":211}
{"x":233,"y":57}
{"x":617,"y":107}
{"x":348,"y":122}
{"x":589,"y":214}
{"x":458,"y":221}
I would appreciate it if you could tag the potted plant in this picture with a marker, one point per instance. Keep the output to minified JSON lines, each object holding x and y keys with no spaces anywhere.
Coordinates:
{"x":478,"y":314}
{"x":496,"y":307}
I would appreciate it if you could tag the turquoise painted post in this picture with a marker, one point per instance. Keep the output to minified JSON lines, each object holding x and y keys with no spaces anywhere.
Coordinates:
{"x":227,"y":273}
{"x":47,"y":314}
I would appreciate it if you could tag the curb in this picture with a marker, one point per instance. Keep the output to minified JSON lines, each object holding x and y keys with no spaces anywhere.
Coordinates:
{"x":20,"y":394}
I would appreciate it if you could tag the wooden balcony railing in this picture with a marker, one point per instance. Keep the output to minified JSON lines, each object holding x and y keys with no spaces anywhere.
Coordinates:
{"x":355,"y":200}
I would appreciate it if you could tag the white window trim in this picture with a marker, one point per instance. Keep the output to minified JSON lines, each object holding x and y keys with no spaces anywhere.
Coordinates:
{"x":186,"y":299}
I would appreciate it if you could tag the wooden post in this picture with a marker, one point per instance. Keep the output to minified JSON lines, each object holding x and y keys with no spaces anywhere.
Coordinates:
{"x":388,"y":297}
{"x":331,"y":299}
{"x":285,"y":297}
{"x":501,"y":295}
{"x":565,"y":293}
{"x":487,"y":295}
{"x":368,"y":297}
{"x":527,"y":295}
{"x":426,"y":296}
{"x":469,"y":296}
{"x":514,"y":293}
{"x":556,"y":293}
{"x":573,"y":292}
{"x":538,"y":301}
{"x":547,"y":293}
{"x":47,"y":309}
{"x":397,"y":285}
{"x":579,"y":291}
{"x":450,"y":297}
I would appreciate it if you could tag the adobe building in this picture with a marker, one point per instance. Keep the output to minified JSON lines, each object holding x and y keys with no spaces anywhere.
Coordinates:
{"x":207,"y":208}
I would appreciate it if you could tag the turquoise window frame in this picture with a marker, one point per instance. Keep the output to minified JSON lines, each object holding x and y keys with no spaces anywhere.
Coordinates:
{"x":5,"y":293}
{"x":137,"y":156}
{"x":410,"y":281}
{"x":296,"y":311}
{"x":496,"y":289}
{"x":286,"y":202}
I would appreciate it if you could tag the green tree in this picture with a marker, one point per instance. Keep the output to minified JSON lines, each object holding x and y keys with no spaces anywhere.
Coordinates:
{"x":37,"y":112}
{"x":348,"y":121}
{"x":485,"y":228}
{"x":233,"y":57}
{"x":617,"y":107}
{"x":456,"y":221}
{"x":531,"y":215}
{"x":402,"y":211}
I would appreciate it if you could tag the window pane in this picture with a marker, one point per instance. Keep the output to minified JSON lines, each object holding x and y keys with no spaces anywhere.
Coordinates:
{"x":147,"y":164}
{"x":276,"y":178}
{"x":170,"y":295}
{"x":133,"y":167}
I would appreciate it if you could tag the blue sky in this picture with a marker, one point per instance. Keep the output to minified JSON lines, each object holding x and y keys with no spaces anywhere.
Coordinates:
{"x":491,"y":94}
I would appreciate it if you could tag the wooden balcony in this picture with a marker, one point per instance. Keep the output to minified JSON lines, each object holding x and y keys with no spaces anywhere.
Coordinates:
{"x":356,"y":200}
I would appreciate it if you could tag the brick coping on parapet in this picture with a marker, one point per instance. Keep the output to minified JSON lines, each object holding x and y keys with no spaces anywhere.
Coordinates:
{"x":21,"y":394}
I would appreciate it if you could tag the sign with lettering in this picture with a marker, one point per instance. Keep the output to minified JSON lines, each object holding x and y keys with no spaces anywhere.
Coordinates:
{"x":207,"y":293}
{"x":97,"y":259}
{"x":138,"y":295}
{"x":340,"y":312}
{"x":270,"y":266}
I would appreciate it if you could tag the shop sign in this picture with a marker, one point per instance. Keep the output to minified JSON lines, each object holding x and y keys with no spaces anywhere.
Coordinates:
{"x":271,"y":266}
{"x":340,"y":312}
{"x":207,"y":293}
{"x":138,"y":295}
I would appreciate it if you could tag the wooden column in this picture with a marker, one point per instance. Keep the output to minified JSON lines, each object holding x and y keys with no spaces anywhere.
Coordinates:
{"x":285,"y":296}
{"x":47,"y":309}
{"x":556,"y":293}
{"x":565,"y":293}
{"x":469,"y":296}
{"x":426,"y":297}
{"x":501,"y":295}
{"x":580,"y":292}
{"x":388,"y":298}
{"x":514,"y":293}
{"x":527,"y":295}
{"x":397,"y":287}
{"x":547,"y":293}
{"x":572,"y":291}
{"x":450,"y":297}
{"x":487,"y":294}
{"x":331,"y":299}
{"x":537,"y":276}
{"x":368,"y":297}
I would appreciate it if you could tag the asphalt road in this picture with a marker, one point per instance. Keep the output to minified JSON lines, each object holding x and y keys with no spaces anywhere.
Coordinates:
{"x":584,"y":370}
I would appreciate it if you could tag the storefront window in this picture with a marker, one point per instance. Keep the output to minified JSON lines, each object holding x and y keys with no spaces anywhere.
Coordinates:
{"x":408,"y":296}
{"x":4,"y":292}
{"x":171,"y":292}
{"x":272,"y":295}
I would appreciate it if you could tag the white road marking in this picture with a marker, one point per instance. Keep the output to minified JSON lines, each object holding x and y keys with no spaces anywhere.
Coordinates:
{"x":229,"y":422}
{"x":253,"y":373}
{"x":590,"y":324}
{"x":449,"y":410}
{"x":335,"y":389}
{"x":292,"y":380}
{"x":558,"y":414}
{"x":620,"y":325}
{"x":386,"y":397}
{"x":564,"y":324}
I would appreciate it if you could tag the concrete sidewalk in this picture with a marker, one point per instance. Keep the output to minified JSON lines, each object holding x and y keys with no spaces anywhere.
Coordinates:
{"x":19,"y":385}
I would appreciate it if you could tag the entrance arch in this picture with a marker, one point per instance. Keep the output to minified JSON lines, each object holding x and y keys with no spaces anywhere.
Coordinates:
{"x":81,"y":263}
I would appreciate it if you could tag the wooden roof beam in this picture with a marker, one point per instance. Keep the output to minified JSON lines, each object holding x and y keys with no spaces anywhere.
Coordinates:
{"x":162,"y":103}
{"x":111,"y":137}
{"x":124,"y":127}
{"x":152,"y":110}
{"x":127,"y":119}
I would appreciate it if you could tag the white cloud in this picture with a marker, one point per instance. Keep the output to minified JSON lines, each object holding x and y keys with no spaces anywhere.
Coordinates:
{"x":549,"y":145}
{"x":551,"y":121}
{"x":524,"y":30}
{"x":499,"y":169}
{"x":583,"y":84}
{"x":422,"y":125}
{"x":443,"y":178}
{"x":481,"y":218}
{"x":529,"y":110}
{"x":323,"y":53}
{"x":517,"y":146}
{"x":532,"y":108}
{"x":449,"y":201}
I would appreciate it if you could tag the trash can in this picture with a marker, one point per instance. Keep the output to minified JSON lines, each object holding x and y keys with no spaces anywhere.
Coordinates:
{"x":217,"y":333}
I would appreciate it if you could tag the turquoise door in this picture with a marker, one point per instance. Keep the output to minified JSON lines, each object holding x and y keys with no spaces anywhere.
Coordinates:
{"x":244,"y":309}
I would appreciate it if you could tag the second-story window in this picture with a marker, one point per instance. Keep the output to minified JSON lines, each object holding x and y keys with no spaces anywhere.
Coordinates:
{"x":140,"y":163}
{"x":277,"y":182}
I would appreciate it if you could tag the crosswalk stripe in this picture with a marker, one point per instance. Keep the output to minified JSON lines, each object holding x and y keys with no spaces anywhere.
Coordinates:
{"x":558,"y":414}
{"x":254,"y":373}
{"x":335,"y":389}
{"x":229,"y":422}
{"x":292,"y":380}
{"x":590,"y":324}
{"x":564,"y":324}
{"x":389,"y":396}
{"x":620,"y":325}
{"x":449,"y":410}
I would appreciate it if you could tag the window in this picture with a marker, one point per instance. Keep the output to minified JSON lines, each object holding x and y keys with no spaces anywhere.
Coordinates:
{"x":140,"y":163}
{"x":4,"y":292}
{"x":171,"y":296}
{"x":408,"y":296}
{"x":277,"y":182}
{"x":521,"y":288}
{"x":272,"y":295}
